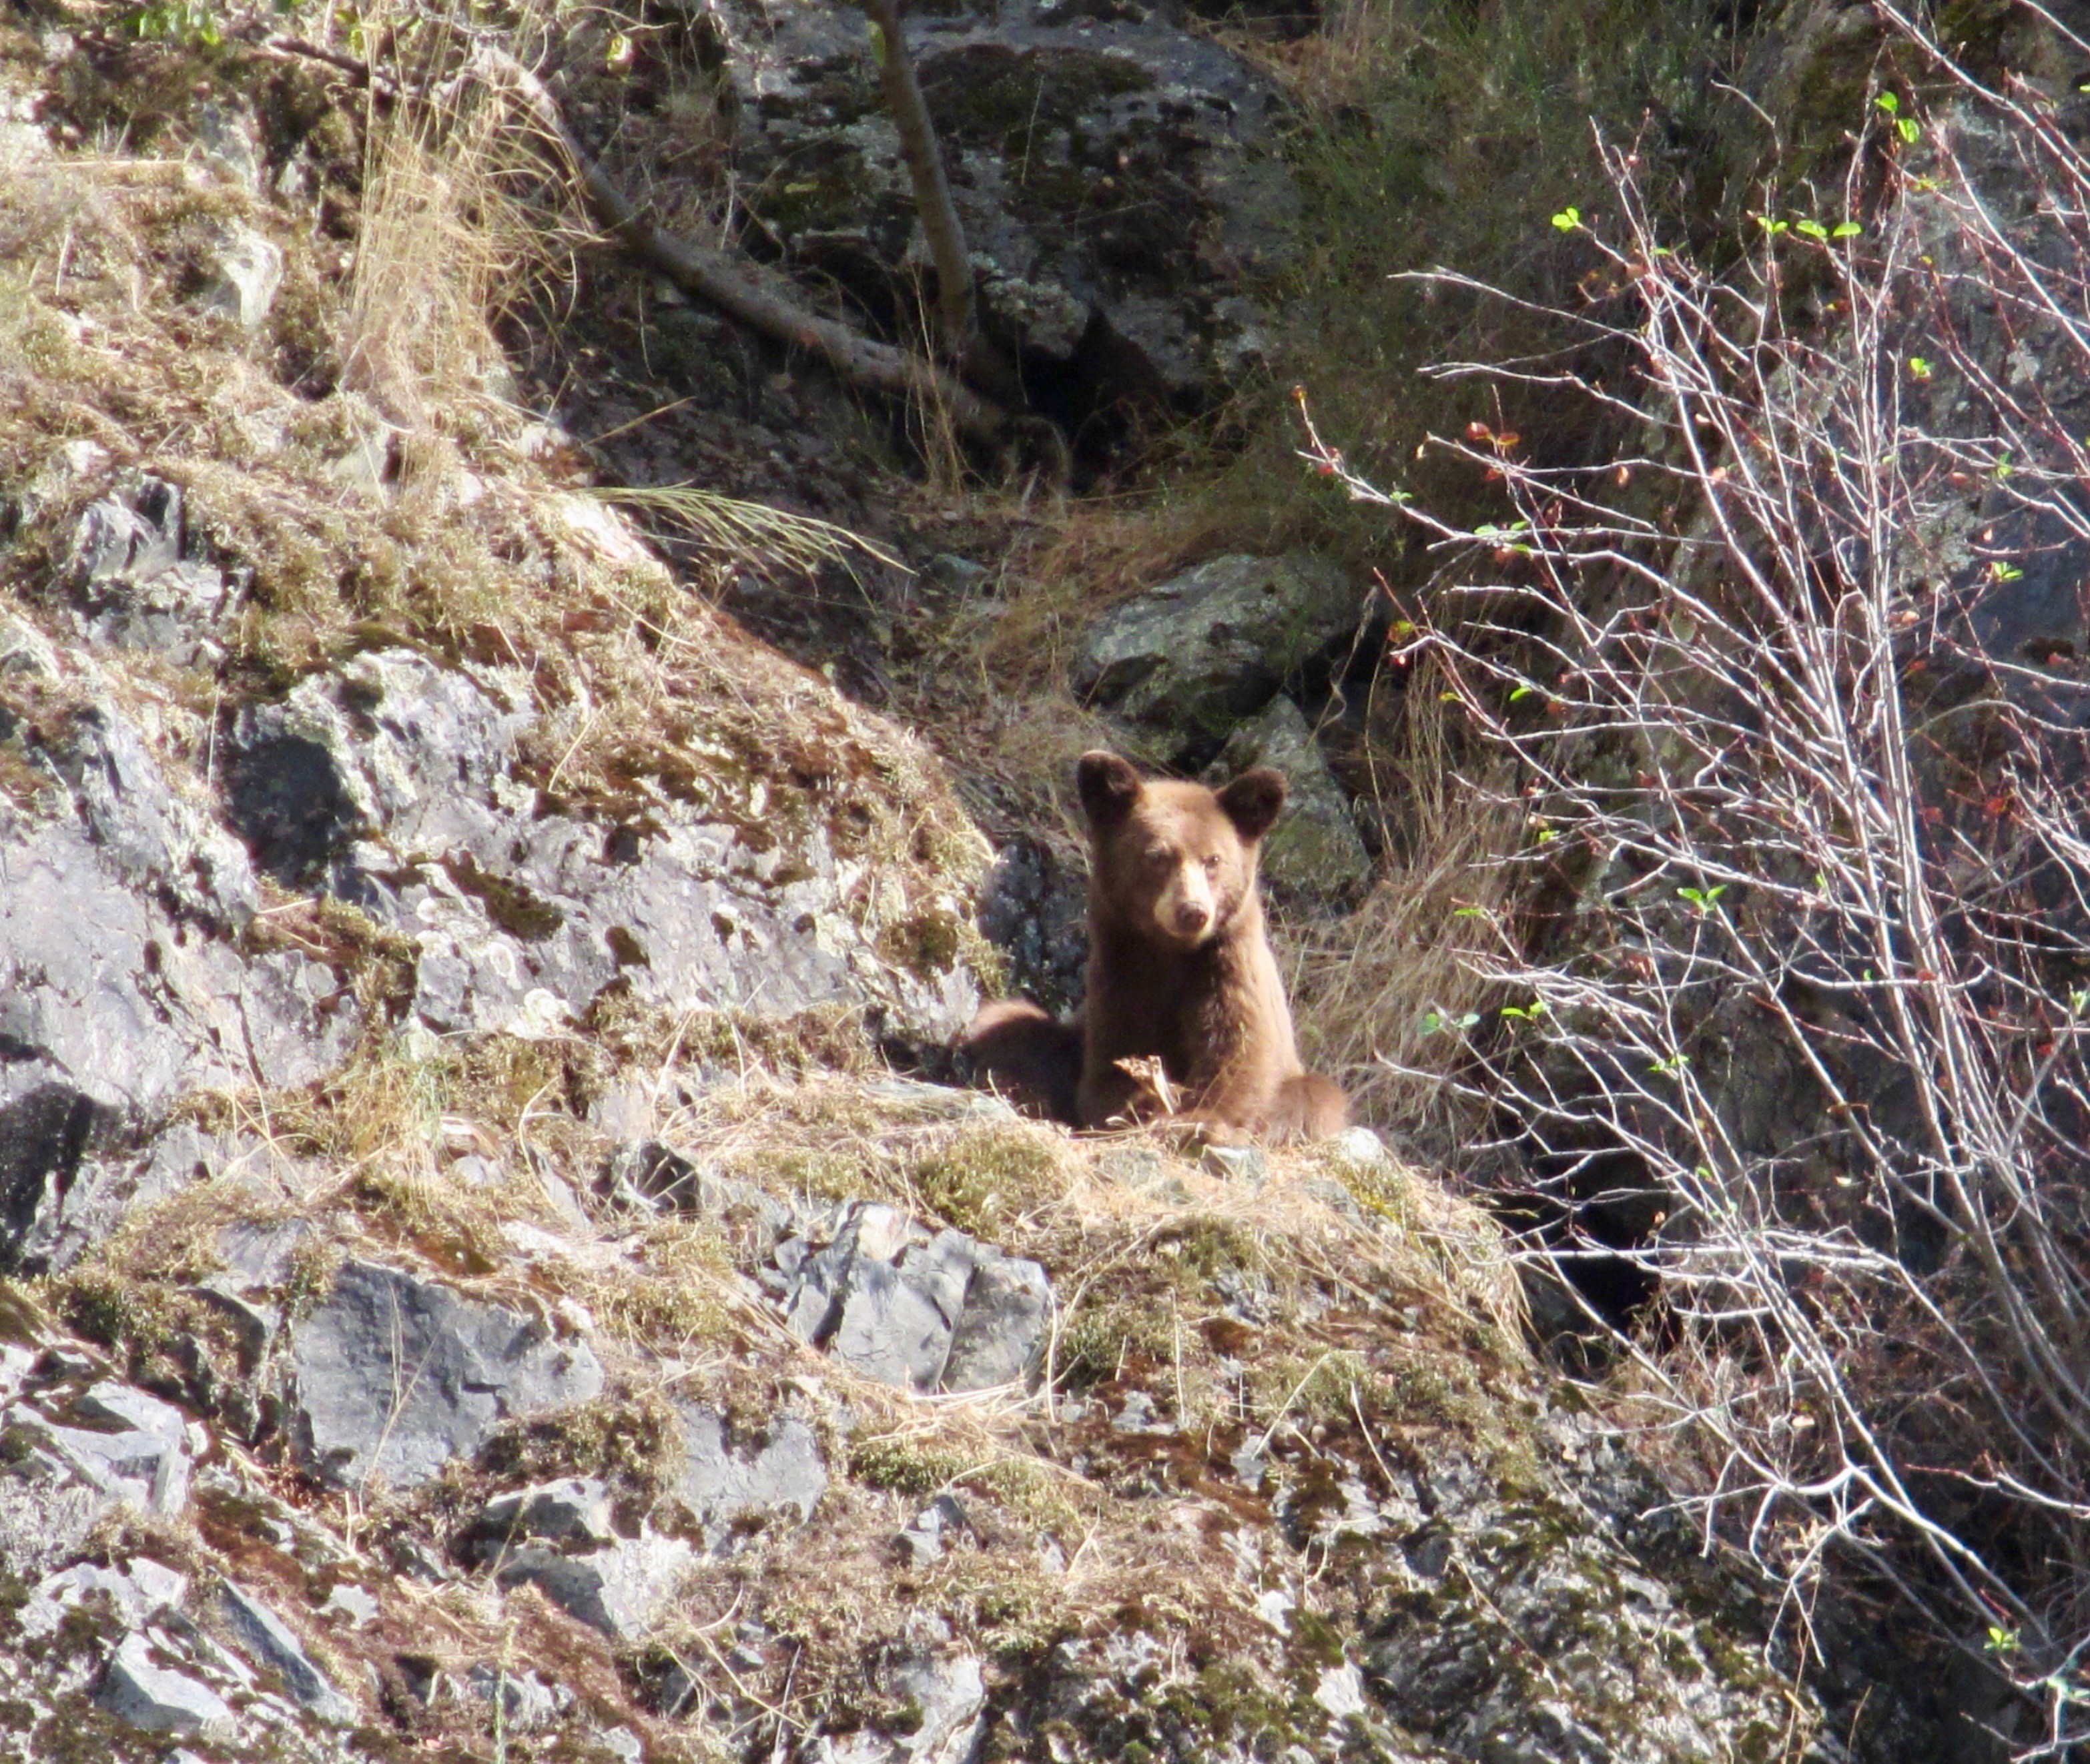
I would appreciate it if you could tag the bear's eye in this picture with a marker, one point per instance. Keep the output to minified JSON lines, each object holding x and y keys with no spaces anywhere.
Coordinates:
{"x":1212,"y":864}
{"x":1159,"y":857}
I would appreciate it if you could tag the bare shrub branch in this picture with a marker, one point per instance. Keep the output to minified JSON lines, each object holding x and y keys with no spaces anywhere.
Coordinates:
{"x":1802,"y":745}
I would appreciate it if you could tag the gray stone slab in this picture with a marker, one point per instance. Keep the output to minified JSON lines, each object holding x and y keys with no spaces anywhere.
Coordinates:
{"x":396,"y":1375}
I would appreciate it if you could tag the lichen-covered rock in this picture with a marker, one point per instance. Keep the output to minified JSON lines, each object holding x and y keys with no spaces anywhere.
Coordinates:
{"x":1314,"y":852}
{"x":724,"y":1480}
{"x":246,"y":270}
{"x":390,"y":783}
{"x":1112,"y":171}
{"x":133,"y":576}
{"x":1190,"y":659}
{"x":924,"y":1310}
{"x":120,"y":991}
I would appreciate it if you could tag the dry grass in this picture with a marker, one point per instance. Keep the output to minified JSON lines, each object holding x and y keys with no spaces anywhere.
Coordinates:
{"x":1379,"y":1295}
{"x":1380,"y":997}
{"x":446,"y":249}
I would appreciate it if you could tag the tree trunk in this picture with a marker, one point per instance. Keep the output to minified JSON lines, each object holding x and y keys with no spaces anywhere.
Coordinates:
{"x":957,"y":312}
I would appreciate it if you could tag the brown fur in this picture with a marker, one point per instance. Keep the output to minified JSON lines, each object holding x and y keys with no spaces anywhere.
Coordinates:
{"x":1180,"y":970}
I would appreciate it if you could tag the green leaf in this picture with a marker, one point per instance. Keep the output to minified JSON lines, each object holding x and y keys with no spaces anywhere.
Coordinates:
{"x":1774,"y":228}
{"x":1469,"y":912}
{"x":1524,"y":691}
{"x":1888,"y":102}
{"x":1814,"y":229}
{"x":1907,"y":129}
{"x":1568,"y":218}
{"x":1845,"y":230}
{"x":2003,"y":572}
{"x":1919,"y":367}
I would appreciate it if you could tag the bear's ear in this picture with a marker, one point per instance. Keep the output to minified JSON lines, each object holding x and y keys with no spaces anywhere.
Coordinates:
{"x":1253,"y":801}
{"x":1109,"y":788}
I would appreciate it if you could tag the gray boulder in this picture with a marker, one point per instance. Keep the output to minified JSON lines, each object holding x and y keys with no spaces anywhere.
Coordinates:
{"x":620,"y":1591}
{"x":1314,"y":852}
{"x":1192,"y":658}
{"x":142,"y":1693}
{"x":111,"y":1007}
{"x":144,"y":832}
{"x":130,"y":1446}
{"x":271,"y":1644}
{"x":574,"y":1510}
{"x":388,"y":783}
{"x":395,"y":1375}
{"x":723,"y":1479}
{"x":133,"y":579}
{"x":940,"y":1311}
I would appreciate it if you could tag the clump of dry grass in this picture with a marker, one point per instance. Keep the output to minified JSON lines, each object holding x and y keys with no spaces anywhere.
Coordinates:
{"x":1383,"y":998}
{"x":445,"y":247}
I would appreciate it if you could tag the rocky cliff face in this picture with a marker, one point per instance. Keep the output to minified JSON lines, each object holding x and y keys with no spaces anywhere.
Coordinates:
{"x":475,"y":1283}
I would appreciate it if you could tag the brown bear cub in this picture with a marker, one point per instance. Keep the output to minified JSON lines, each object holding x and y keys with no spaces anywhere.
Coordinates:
{"x":1179,"y":970}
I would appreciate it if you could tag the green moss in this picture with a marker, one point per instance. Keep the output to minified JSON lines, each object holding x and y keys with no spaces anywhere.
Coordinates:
{"x":630,"y":1440}
{"x":987,"y":1178}
{"x":902,"y":1467}
{"x":926,"y":944}
{"x":510,"y":905}
{"x":1113,"y":1335}
{"x":827,"y":1175}
{"x":111,"y":1310}
{"x":988,"y":95}
{"x":1228,"y":1704}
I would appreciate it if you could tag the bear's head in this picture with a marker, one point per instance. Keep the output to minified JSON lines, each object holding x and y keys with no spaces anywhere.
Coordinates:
{"x":1174,"y":861}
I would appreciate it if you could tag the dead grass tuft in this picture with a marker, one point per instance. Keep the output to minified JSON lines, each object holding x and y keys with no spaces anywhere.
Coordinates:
{"x":1384,"y":998}
{"x":446,"y":249}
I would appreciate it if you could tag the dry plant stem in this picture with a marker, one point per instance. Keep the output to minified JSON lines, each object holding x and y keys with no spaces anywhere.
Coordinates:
{"x":956,"y":308}
{"x":1728,"y":724}
{"x":740,"y":289}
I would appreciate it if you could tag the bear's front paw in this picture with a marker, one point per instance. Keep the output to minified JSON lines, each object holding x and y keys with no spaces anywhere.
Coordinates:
{"x":1188,"y":1134}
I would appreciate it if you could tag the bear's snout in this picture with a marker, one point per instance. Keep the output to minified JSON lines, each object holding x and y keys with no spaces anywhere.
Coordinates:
{"x":1187,"y":910}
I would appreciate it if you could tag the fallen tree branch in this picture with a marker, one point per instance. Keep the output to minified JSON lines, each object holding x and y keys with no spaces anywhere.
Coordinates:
{"x":737,"y":288}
